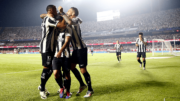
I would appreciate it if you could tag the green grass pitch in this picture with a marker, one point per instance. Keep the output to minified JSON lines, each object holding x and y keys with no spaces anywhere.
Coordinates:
{"x":111,"y":81}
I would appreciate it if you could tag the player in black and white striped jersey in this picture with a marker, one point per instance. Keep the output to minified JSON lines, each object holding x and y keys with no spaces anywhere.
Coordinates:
{"x":118,"y":48}
{"x":49,"y":24}
{"x":79,"y":55}
{"x":62,"y":59}
{"x":141,"y":43}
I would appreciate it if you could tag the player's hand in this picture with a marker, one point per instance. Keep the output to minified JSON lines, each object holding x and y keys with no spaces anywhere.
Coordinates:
{"x":60,"y":9}
{"x":39,"y":51}
{"x":58,"y":55}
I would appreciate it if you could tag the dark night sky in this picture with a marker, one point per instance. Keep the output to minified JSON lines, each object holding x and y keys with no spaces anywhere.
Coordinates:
{"x":19,"y":13}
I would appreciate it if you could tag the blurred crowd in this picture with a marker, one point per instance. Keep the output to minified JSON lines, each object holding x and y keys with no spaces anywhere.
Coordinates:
{"x":132,"y":39}
{"x":20,"y":33}
{"x":144,"y":22}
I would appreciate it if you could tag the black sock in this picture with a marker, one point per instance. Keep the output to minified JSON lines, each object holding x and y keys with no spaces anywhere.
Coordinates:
{"x":64,"y":80}
{"x":139,"y":61}
{"x":118,"y":58}
{"x":78,"y":76}
{"x":144,"y":63}
{"x":88,"y":81}
{"x":46,"y":73}
{"x":68,"y":84}
{"x":59,"y":81}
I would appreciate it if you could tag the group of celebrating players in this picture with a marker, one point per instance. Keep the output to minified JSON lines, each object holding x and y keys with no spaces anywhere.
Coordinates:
{"x":59,"y":30}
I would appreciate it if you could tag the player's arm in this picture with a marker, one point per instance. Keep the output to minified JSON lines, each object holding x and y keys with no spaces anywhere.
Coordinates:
{"x":57,"y":23}
{"x":43,"y":15}
{"x":144,"y":41}
{"x":66,"y":44}
{"x":121,"y":47}
{"x":67,"y":19}
{"x":137,"y":43}
{"x":70,"y":21}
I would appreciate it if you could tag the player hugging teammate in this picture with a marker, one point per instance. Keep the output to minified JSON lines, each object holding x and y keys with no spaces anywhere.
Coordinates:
{"x":54,"y":48}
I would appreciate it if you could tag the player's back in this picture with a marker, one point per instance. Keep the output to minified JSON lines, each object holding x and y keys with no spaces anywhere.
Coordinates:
{"x":77,"y":41}
{"x":48,"y":26}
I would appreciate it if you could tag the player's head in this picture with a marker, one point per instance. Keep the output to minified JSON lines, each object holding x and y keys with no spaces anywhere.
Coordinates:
{"x":73,"y":12}
{"x":140,"y":35}
{"x":51,"y":9}
{"x":117,"y":41}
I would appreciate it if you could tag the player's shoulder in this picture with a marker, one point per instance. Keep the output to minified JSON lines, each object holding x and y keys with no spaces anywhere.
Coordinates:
{"x":50,"y":19}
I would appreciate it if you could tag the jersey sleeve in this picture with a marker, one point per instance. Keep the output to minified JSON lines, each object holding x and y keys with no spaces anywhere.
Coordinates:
{"x":137,"y":41}
{"x":76,"y":21}
{"x":145,"y":40}
{"x":79,"y":20}
{"x":52,"y":22}
{"x":69,"y":32}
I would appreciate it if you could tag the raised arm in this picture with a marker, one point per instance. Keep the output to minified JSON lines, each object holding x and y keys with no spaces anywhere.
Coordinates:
{"x":68,"y":19}
{"x":61,"y":24}
{"x":43,"y":15}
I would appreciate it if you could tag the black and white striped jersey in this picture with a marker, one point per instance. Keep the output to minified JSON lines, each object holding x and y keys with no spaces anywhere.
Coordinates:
{"x":118,"y":47}
{"x":141,"y":46}
{"x":48,"y":27}
{"x":77,"y":41}
{"x":60,"y":40}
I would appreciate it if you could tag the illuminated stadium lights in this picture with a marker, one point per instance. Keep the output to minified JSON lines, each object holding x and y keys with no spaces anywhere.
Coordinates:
{"x":108,"y":15}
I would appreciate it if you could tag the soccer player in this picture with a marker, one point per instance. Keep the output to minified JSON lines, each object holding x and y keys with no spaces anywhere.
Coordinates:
{"x":62,"y":59}
{"x":15,"y":51}
{"x":141,"y":51}
{"x":79,"y":54}
{"x":92,"y":50}
{"x":47,"y":46}
{"x":118,"y":48}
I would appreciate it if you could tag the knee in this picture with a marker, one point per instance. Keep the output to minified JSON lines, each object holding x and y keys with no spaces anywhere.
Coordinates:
{"x":83,"y":70}
{"x":73,"y":66}
{"x":56,"y":74}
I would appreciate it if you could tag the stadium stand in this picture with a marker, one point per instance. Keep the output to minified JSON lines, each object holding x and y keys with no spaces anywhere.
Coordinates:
{"x":156,"y":25}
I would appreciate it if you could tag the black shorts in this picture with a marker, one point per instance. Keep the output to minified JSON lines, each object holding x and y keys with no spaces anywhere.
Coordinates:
{"x":79,"y":56}
{"x":91,"y":51}
{"x":143,"y":54}
{"x":118,"y":53}
{"x":47,"y":59}
{"x":65,"y":63}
